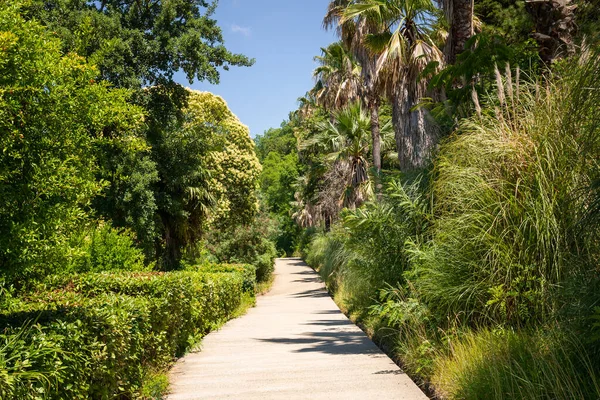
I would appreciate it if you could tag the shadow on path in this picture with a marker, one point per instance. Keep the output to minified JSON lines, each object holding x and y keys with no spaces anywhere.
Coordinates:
{"x":389,"y":372}
{"x":331,"y":322}
{"x":297,"y":262}
{"x":314,"y":279}
{"x":307,"y":271}
{"x":337,"y":342}
{"x":311,"y":293}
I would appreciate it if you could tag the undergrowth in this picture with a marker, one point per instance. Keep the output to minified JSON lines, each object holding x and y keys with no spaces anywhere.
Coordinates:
{"x":484,"y":270}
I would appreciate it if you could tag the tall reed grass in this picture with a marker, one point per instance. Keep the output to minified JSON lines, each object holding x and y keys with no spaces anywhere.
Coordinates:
{"x":489,"y":365}
{"x":508,"y":202}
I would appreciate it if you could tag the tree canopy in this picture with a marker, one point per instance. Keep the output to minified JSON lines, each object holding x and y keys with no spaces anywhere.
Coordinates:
{"x":53,"y":116}
{"x":141,"y":42}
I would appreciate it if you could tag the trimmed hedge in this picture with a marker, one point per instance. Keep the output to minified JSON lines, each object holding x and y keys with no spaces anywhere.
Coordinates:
{"x":98,"y":336}
{"x":248,"y":272}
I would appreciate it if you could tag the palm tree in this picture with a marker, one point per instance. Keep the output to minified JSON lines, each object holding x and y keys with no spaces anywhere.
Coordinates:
{"x":555,"y":27}
{"x":459,"y":14}
{"x":307,"y":105}
{"x":406,"y":48}
{"x":353,"y":34}
{"x":345,"y":141}
{"x":338,"y":80}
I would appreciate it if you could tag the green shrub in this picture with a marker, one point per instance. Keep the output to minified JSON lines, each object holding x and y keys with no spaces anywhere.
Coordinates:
{"x":508,"y":201}
{"x":371,"y":246}
{"x":328,"y":255}
{"x":303,"y":242}
{"x":246,"y":245}
{"x":28,"y":360}
{"x":104,"y":248}
{"x":100,"y":334}
{"x":48,"y":161}
{"x":501,"y":243}
{"x":248,"y":272}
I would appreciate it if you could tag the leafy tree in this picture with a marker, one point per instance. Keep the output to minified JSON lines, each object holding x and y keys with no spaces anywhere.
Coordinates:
{"x":129,"y":200}
{"x":53,"y":114}
{"x":277,"y":149}
{"x":183,"y":192}
{"x":279,"y":175}
{"x":141,"y":42}
{"x":233,"y":166}
{"x":505,"y":18}
{"x":208,"y":174}
{"x":280,"y":140}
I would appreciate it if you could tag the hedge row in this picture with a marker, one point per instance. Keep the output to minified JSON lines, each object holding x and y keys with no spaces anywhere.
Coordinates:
{"x":248,"y":272}
{"x":98,"y":336}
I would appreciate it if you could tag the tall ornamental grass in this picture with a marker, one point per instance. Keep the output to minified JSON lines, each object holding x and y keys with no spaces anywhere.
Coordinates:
{"x":489,"y":365}
{"x":509,"y":197}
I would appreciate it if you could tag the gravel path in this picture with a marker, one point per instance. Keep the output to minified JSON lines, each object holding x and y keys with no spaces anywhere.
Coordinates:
{"x":295,"y":344}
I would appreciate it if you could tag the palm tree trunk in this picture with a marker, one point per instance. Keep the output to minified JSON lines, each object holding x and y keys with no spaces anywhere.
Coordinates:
{"x":415,"y":134}
{"x":376,"y":135}
{"x":460,"y":16}
{"x":554,"y":27}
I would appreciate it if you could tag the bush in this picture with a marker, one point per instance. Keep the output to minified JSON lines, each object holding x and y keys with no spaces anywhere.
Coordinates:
{"x":248,"y":272}
{"x":104,"y":248}
{"x":246,"y":245}
{"x":48,"y":161}
{"x":303,"y":242}
{"x":494,"y":264}
{"x":100,"y":335}
{"x":369,"y":249}
{"x":328,"y":255}
{"x":509,"y":200}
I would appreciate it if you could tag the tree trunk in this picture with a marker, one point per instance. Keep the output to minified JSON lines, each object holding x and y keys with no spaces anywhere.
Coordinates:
{"x":376,"y":136}
{"x":415,"y":134}
{"x":172,"y":249}
{"x":554,"y":27}
{"x":327,"y":223}
{"x":460,"y":15}
{"x":375,"y":133}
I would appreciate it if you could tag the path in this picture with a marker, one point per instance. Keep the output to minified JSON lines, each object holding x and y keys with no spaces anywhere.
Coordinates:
{"x":295,"y":344}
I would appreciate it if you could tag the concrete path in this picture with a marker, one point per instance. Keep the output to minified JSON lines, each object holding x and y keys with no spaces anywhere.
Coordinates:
{"x":295,"y":344}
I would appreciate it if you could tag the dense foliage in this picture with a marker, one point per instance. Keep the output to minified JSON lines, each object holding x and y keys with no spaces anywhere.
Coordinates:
{"x":442,"y":175}
{"x":491,"y":255}
{"x":109,"y":171}
{"x":476,"y":261}
{"x":277,"y":152}
{"x":54,"y":116}
{"x":140,"y":43}
{"x":140,"y":46}
{"x":233,"y":165}
{"x":101,"y":335}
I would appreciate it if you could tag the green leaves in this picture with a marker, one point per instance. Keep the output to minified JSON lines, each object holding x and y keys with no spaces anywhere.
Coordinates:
{"x":52,"y":114}
{"x":99,"y":335}
{"x":137,"y":43}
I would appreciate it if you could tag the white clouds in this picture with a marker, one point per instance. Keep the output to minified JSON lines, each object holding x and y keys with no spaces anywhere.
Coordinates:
{"x":246,"y":31}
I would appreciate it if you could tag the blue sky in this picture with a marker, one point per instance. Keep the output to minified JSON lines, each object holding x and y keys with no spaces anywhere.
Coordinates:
{"x":283,"y":36}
